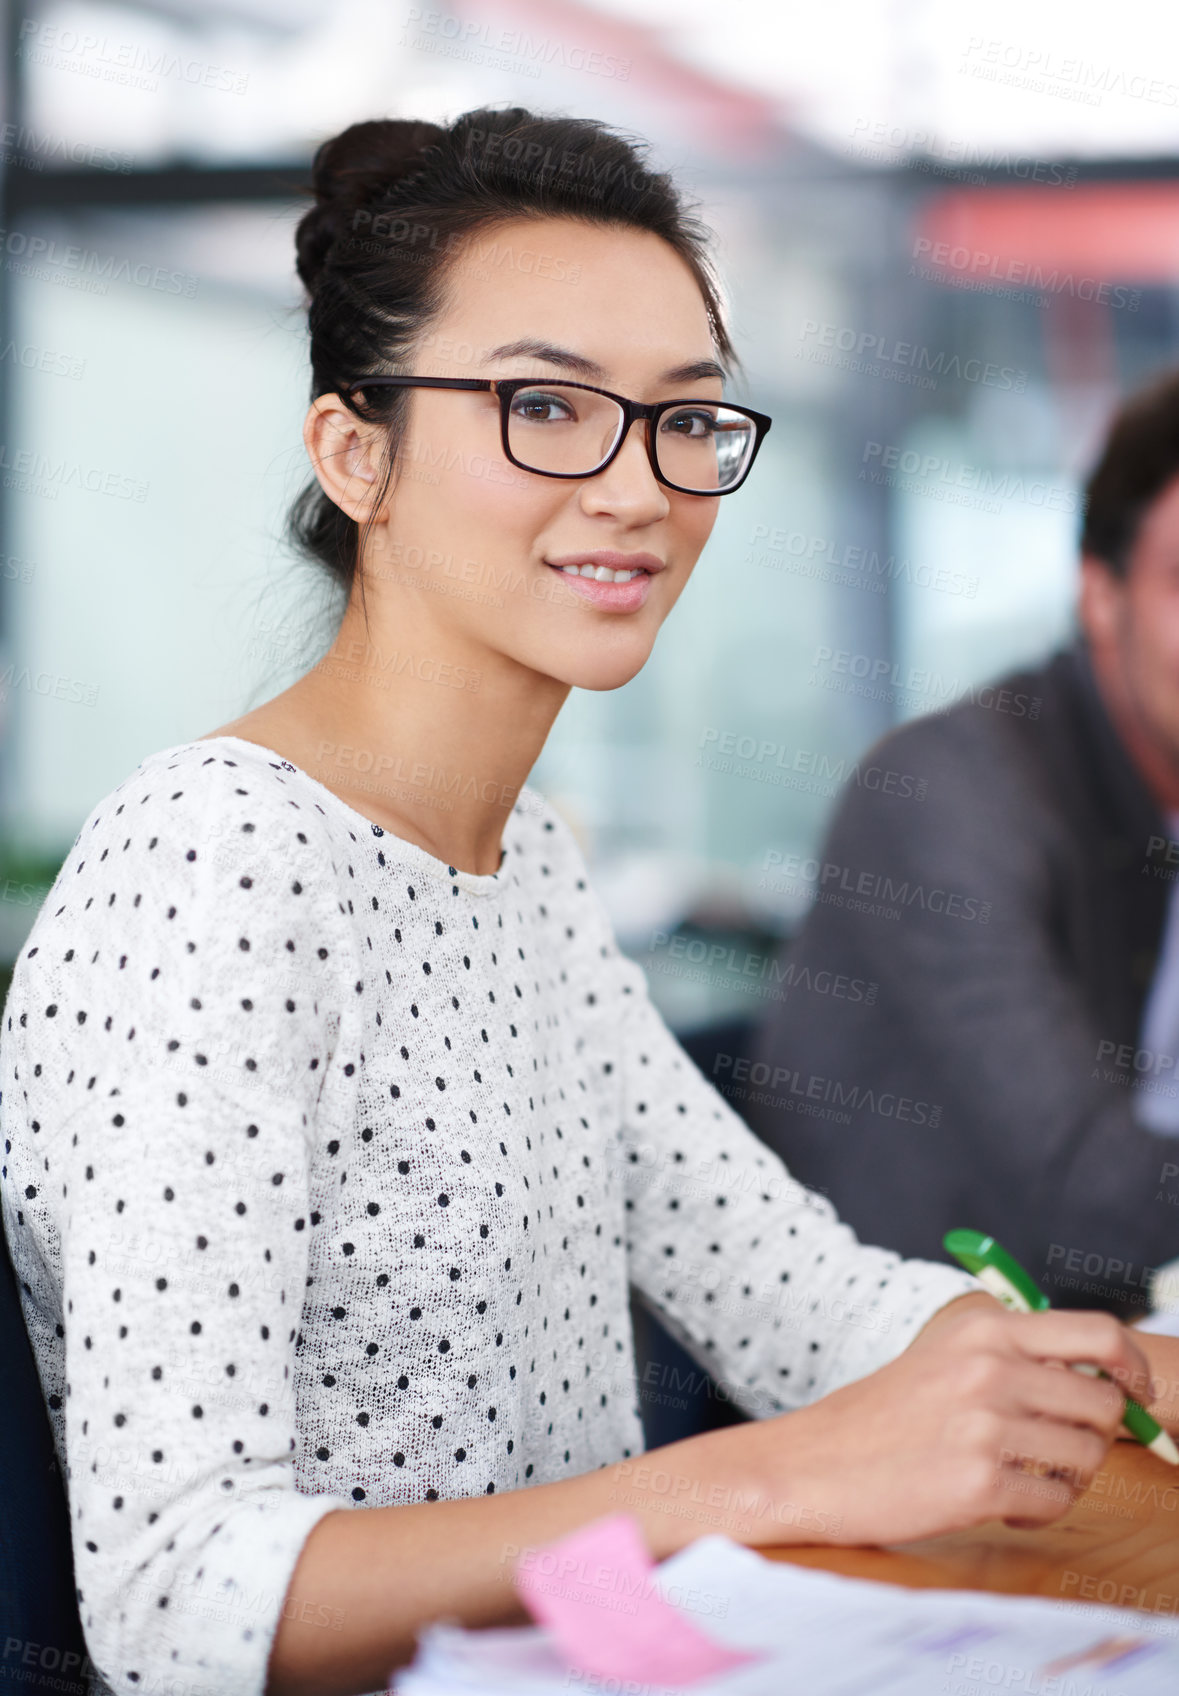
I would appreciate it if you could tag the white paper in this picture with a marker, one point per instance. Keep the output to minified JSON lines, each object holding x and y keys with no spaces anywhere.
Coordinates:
{"x":826,"y":1635}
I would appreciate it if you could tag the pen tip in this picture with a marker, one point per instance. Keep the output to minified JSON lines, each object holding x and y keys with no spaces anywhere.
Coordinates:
{"x":1164,"y":1447}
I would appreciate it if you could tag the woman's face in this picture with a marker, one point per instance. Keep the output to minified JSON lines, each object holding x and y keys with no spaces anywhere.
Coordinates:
{"x":471,"y":534}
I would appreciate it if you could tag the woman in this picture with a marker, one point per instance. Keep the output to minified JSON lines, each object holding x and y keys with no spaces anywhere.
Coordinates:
{"x":337,"y":1123}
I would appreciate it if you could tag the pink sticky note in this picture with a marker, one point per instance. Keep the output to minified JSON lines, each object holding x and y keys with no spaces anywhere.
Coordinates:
{"x":595,"y":1592}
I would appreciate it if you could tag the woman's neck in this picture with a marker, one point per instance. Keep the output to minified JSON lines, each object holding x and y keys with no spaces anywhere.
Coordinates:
{"x":433,"y":748}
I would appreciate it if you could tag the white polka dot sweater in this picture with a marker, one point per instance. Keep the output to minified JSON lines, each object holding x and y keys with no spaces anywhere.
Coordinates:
{"x":327,"y":1170}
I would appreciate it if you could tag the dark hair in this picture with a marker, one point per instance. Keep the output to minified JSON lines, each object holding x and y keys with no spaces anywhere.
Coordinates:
{"x":396,"y":198}
{"x":1140,"y":457}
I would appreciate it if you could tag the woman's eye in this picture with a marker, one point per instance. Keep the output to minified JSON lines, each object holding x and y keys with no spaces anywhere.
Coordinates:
{"x":689,"y":423}
{"x":537,"y":408}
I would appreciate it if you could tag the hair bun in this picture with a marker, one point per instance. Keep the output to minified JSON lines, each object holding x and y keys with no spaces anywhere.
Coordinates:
{"x":354,"y":168}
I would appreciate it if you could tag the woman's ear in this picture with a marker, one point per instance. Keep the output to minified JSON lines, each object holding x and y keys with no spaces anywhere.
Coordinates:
{"x":345,"y":455}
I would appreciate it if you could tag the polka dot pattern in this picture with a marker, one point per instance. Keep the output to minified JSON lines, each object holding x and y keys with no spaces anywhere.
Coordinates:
{"x":327,"y":1169}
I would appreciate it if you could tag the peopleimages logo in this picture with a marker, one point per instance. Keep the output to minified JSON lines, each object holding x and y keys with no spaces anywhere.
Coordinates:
{"x":125,"y":62}
{"x":835,"y":882}
{"x":80,"y":267}
{"x":48,"y":360}
{"x":885,"y":356}
{"x":753,"y":756}
{"x":1100,"y":1266}
{"x":887,"y":1104}
{"x":922,"y":149}
{"x":762,"y":967}
{"x":883,"y":679}
{"x":977,"y":262}
{"x":472,"y":38}
{"x":36,"y":473}
{"x":935,"y":468}
{"x":34,"y":148}
{"x":849,"y":563}
{"x":1044,"y":70}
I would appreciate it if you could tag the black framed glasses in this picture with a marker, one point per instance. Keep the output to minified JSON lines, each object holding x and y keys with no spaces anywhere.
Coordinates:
{"x":697,"y":447}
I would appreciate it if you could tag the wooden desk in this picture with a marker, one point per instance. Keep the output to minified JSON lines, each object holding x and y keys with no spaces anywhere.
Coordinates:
{"x":1118,"y":1545}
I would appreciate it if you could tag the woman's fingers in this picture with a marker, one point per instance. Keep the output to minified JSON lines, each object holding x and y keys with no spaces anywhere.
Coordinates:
{"x":1043,"y":1466}
{"x":1042,"y":1389}
{"x":1082,"y":1337}
{"x":980,"y":1418}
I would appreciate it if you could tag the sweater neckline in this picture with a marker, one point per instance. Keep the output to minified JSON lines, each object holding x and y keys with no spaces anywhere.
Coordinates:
{"x":409,"y":855}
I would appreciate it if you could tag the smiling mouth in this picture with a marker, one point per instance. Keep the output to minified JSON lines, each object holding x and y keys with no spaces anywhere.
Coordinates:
{"x":601,"y":573}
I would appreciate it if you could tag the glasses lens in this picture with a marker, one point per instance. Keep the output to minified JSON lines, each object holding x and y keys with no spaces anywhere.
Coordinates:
{"x":704,"y":447}
{"x":554,"y":428}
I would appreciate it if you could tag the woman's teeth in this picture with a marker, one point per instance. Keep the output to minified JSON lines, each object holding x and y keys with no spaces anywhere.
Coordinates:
{"x":600,"y":573}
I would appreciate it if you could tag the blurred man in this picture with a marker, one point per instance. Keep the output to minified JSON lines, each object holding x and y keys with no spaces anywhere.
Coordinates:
{"x":1017,"y":1068}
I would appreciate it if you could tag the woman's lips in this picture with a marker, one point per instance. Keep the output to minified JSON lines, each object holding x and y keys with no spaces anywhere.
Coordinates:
{"x":613,"y":596}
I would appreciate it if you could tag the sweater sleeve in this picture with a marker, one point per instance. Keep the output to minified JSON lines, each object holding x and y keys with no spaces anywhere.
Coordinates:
{"x":754,"y":1274}
{"x":179,"y":1008}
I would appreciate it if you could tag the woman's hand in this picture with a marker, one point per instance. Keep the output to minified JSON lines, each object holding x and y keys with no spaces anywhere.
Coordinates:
{"x":1162,"y":1388}
{"x":977,"y":1420}
{"x":932,"y":1442}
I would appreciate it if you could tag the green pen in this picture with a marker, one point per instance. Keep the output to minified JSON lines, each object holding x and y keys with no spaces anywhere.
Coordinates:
{"x":1005,"y":1278}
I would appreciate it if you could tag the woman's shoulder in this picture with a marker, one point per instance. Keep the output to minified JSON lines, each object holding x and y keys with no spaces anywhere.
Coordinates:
{"x":193,"y":821}
{"x":203,"y":790}
{"x":180,"y":835}
{"x":191,"y":882}
{"x":549,"y":849}
{"x":547,"y":842}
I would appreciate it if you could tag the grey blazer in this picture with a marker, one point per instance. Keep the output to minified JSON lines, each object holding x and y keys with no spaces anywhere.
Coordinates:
{"x":1002,"y":922}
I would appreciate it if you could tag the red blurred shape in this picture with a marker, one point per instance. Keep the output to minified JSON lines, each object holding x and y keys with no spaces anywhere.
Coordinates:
{"x":1125,"y":232}
{"x":558,"y":33}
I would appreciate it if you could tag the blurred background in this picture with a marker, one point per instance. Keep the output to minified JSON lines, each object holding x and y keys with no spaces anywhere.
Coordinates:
{"x":950,"y":245}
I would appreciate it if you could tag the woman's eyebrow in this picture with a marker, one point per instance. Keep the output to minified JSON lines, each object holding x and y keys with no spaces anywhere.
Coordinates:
{"x":531,"y":348}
